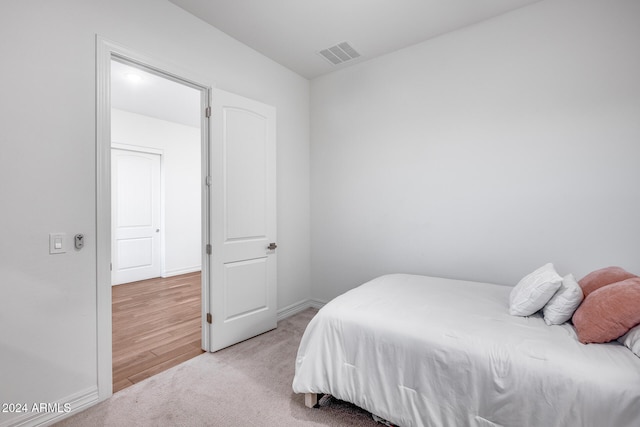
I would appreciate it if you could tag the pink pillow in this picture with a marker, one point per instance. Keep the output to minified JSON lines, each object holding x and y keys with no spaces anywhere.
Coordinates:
{"x":603,"y":277}
{"x":609,"y":312}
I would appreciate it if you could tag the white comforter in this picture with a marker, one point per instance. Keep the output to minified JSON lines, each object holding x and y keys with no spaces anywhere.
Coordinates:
{"x":420,"y":351}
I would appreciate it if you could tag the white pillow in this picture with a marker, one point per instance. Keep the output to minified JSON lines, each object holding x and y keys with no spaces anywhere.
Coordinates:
{"x":632,"y":340}
{"x":534,"y":291}
{"x":564,"y":302}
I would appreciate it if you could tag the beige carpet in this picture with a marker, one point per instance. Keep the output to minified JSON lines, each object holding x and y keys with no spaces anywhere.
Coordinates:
{"x":248,"y":384}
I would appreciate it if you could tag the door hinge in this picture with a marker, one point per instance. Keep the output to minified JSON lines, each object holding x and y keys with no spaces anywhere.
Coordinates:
{"x":110,"y":266}
{"x":209,"y":318}
{"x":208,"y":249}
{"x":207,"y":181}
{"x":207,"y":112}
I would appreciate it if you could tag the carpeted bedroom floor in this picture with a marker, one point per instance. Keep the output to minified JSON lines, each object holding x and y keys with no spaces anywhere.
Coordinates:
{"x":248,"y":384}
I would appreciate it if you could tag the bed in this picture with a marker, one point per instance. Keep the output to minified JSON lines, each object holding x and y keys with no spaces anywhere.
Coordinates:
{"x":418,"y":351}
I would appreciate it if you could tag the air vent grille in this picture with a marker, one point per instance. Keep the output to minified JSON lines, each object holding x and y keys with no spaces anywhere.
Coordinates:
{"x":342,"y":52}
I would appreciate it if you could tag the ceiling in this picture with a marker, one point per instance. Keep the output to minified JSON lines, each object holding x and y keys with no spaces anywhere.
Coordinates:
{"x":292,"y":32}
{"x":152,"y":95}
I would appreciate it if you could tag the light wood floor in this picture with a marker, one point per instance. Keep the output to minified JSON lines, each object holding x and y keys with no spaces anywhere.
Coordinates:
{"x":156,"y":325}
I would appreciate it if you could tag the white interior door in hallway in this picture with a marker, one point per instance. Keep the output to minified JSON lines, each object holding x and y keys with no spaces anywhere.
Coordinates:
{"x":136,"y":215}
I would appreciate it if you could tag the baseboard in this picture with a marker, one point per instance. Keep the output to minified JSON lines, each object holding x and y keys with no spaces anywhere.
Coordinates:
{"x":171,"y":273}
{"x":316,"y":303}
{"x":292,"y":309}
{"x":299,"y":306}
{"x":52,"y":412}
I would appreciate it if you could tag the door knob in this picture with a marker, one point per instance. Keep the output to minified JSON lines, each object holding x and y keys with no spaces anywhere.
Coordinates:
{"x":272,"y":246}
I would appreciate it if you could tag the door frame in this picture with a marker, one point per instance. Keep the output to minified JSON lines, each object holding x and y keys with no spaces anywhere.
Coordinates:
{"x":106,"y":51}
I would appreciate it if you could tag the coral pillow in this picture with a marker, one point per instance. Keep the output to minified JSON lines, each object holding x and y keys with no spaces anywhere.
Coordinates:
{"x":534,"y":291}
{"x":609,"y":312}
{"x":564,"y":302}
{"x":603,"y":277}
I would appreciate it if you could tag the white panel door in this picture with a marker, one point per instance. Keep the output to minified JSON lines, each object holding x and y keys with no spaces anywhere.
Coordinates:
{"x":135,"y":204}
{"x":243,"y":219}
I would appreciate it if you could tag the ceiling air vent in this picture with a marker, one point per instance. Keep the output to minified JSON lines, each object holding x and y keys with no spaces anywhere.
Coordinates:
{"x":342,"y":52}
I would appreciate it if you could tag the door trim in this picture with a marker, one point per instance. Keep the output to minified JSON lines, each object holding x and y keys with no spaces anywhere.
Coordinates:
{"x":136,"y":148}
{"x":107,"y":50}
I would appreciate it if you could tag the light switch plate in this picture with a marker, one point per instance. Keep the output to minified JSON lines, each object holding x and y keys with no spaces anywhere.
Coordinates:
{"x":57,"y":243}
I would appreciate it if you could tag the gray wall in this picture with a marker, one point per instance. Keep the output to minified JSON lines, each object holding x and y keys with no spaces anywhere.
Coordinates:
{"x":48,"y":172}
{"x":480,"y":155}
{"x":484,"y":153}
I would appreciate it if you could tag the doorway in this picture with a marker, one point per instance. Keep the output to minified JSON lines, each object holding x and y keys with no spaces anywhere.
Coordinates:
{"x":238,"y":237}
{"x":157,"y":217}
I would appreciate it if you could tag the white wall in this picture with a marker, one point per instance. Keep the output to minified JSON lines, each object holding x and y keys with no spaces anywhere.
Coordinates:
{"x":181,"y":169}
{"x":48,"y":172}
{"x":484,"y":153}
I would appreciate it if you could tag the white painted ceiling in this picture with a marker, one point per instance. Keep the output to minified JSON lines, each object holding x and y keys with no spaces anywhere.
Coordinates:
{"x":291,"y":32}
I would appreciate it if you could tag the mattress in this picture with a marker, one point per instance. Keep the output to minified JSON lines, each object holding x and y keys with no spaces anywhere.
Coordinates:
{"x":420,"y":351}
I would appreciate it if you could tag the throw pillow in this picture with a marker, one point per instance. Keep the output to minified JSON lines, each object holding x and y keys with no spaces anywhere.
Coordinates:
{"x":609,"y":312}
{"x":632,"y":340}
{"x":603,"y":277}
{"x":534,"y":291}
{"x":564,"y":302}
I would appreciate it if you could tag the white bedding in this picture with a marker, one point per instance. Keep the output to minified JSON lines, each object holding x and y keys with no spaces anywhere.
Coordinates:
{"x":420,"y":351}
